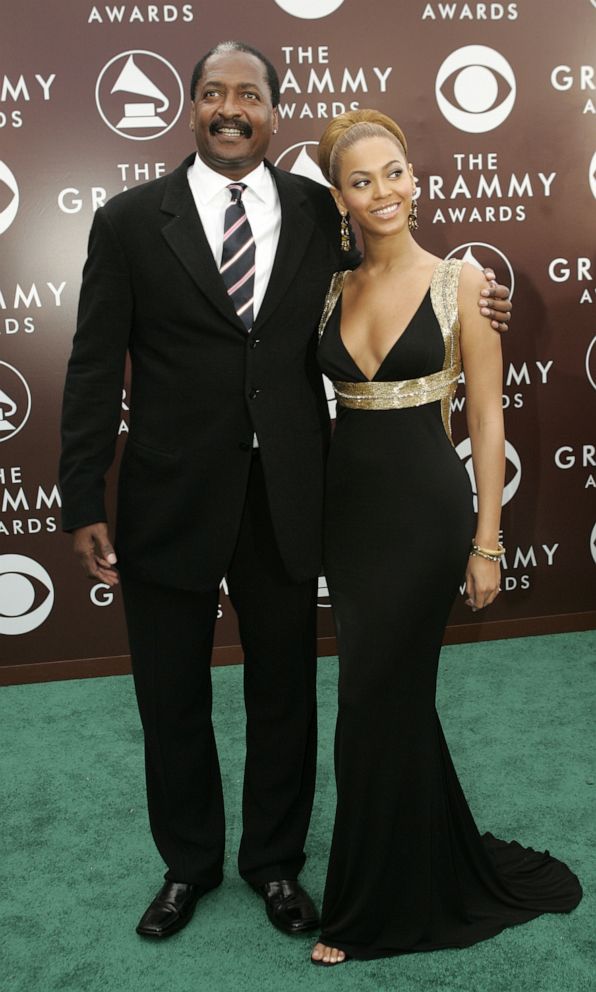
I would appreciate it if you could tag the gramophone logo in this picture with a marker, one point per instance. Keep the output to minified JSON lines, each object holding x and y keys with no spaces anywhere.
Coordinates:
{"x":485,"y":256}
{"x":15,"y":401}
{"x":330,"y":394}
{"x":323,"y":593}
{"x":297,"y":160}
{"x":139,"y":95}
{"x":8,"y":210}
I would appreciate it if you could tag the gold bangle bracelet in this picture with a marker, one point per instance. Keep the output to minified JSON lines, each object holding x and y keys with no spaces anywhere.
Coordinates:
{"x":491,"y":554}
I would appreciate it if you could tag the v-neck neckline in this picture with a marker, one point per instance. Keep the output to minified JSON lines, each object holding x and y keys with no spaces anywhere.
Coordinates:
{"x":399,"y":336}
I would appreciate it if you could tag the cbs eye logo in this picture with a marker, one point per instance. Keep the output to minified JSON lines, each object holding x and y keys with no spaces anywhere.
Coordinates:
{"x":8,"y":210}
{"x":591,"y":363}
{"x":475,"y":89}
{"x":593,"y":543}
{"x":512,"y":481}
{"x":26,"y":594}
{"x":592,"y":175}
{"x":309,"y":9}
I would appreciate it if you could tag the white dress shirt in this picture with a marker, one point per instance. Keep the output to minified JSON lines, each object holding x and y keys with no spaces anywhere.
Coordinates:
{"x":261,"y":202}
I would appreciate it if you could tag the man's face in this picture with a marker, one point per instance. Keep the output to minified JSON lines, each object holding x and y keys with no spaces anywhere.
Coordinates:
{"x":232,"y":115}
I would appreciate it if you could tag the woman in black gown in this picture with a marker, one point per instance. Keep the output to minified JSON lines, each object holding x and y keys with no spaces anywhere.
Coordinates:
{"x":408,"y":870}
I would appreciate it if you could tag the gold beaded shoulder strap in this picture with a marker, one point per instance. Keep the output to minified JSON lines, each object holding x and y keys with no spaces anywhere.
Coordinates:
{"x":333,"y":295}
{"x":443,"y":295}
{"x":428,"y":388}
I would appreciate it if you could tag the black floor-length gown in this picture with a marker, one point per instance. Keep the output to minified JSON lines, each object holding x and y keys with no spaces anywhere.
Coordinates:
{"x":408,"y":870}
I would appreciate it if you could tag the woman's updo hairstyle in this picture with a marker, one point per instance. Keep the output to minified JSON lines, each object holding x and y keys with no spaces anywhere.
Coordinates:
{"x":344,"y":131}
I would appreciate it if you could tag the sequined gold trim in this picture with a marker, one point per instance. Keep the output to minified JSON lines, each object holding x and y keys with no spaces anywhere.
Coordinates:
{"x":371,"y":395}
{"x":333,"y":294}
{"x":396,"y":395}
{"x":443,"y":294}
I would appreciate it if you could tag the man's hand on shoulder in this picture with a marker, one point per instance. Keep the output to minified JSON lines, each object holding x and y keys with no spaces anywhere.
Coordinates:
{"x":494,"y":302}
{"x":97,"y":556}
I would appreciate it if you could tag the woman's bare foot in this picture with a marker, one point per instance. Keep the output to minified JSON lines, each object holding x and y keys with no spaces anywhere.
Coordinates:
{"x":327,"y":955}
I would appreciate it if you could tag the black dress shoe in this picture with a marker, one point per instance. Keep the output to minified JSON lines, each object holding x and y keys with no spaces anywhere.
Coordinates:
{"x":289,"y":907}
{"x":171,"y":909}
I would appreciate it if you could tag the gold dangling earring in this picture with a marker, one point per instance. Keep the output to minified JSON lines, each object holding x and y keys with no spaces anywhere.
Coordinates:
{"x":344,"y":233}
{"x":413,"y":215}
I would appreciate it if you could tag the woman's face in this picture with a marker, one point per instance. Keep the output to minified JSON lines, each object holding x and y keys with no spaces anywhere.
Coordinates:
{"x":375,"y":185}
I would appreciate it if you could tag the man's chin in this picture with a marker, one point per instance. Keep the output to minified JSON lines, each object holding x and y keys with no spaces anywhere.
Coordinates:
{"x":228,"y":159}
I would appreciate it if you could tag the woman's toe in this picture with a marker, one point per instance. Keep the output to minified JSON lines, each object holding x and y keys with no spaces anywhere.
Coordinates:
{"x":328,"y":955}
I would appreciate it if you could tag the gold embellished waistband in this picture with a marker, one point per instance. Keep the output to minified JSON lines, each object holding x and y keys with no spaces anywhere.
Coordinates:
{"x":397,"y":395}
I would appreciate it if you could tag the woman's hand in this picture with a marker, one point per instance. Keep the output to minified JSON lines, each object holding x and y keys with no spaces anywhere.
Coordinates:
{"x":483,"y":582}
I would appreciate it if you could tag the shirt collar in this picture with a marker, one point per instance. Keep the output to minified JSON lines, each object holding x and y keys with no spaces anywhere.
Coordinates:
{"x":208,"y":184}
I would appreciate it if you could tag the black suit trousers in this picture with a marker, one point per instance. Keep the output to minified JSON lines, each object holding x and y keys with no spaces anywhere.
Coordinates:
{"x":171,"y":638}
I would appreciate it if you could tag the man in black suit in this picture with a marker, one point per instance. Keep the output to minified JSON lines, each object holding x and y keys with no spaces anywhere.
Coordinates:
{"x":222,"y":474}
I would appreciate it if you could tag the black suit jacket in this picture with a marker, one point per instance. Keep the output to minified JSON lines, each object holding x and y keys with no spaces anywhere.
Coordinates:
{"x":200,"y":384}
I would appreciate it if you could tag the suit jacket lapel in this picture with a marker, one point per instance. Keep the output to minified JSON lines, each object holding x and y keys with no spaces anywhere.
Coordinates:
{"x":296,"y":229}
{"x":185,"y":235}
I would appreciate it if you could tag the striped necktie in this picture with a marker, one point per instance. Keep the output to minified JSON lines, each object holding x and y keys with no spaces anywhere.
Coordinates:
{"x":238,"y":256}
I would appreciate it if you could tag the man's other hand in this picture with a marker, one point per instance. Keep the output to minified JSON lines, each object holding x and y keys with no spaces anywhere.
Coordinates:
{"x":97,"y":557}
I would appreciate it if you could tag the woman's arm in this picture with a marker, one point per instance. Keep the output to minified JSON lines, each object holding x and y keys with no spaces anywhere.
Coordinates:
{"x":483,"y":368}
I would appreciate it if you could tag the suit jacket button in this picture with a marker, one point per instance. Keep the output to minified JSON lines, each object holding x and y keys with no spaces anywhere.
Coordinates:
{"x":254,"y":342}
{"x":253,"y":394}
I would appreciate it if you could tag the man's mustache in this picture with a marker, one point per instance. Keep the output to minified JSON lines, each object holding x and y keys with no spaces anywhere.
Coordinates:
{"x":242,"y":126}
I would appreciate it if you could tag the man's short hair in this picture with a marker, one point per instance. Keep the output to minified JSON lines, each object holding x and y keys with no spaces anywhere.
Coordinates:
{"x":238,"y":46}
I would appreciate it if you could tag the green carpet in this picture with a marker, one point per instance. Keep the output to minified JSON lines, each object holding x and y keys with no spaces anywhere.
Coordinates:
{"x":77,"y":865}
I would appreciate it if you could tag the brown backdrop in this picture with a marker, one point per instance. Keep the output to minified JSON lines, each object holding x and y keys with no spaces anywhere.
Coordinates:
{"x":498,"y":102}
